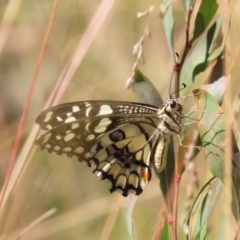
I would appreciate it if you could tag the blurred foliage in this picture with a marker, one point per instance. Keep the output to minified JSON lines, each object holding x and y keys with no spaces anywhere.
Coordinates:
{"x":84,"y":207}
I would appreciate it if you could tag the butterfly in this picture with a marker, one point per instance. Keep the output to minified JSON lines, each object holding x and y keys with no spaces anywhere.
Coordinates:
{"x":120,"y":141}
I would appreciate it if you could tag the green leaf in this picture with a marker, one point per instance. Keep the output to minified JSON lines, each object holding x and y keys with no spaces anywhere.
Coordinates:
{"x":206,"y":50}
{"x":165,"y":232}
{"x":217,"y":90}
{"x":212,"y":132}
{"x":211,"y":128}
{"x":202,"y":209}
{"x":168,"y":25}
{"x":205,"y":15}
{"x":144,"y":90}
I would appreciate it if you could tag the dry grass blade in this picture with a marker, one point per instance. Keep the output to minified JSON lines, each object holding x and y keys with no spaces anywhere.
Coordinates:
{"x":7,"y":21}
{"x":84,"y":44}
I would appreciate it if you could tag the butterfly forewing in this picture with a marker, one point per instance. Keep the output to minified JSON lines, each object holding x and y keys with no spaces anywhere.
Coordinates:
{"x":64,"y":113}
{"x":118,"y":140}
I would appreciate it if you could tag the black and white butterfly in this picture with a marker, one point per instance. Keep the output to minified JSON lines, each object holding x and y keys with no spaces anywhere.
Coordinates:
{"x":120,"y":141}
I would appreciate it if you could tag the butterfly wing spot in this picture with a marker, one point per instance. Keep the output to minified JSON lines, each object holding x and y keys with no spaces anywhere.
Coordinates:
{"x":117,"y":190}
{"x":46,"y":138}
{"x":48,"y":116}
{"x":121,"y":181}
{"x":104,"y":110}
{"x":117,"y":135}
{"x":88,"y":111}
{"x":69,"y":137}
{"x":58,"y":137}
{"x":102,"y":126}
{"x":79,"y":150}
{"x":59,"y":119}
{"x":56,"y":148}
{"x":146,"y":152}
{"x":87,"y":104}
{"x":145,"y":176}
{"x":87,"y":155}
{"x":137,"y":143}
{"x":47,"y":146}
{"x":90,"y":137}
{"x":115,"y":170}
{"x":138,"y":155}
{"x":133,"y":180}
{"x":131,"y":191}
{"x":70,"y":119}
{"x":123,"y":143}
{"x":101,"y":155}
{"x":75,"y":125}
{"x":67,"y":149}
{"x":75,"y":109}
{"x":75,"y":157}
{"x":104,"y":166}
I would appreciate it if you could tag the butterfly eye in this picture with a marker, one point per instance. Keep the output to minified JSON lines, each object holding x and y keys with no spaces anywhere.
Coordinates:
{"x":173,"y":103}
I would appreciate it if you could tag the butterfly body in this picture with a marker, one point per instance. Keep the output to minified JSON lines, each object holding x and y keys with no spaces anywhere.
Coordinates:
{"x":120,"y":141}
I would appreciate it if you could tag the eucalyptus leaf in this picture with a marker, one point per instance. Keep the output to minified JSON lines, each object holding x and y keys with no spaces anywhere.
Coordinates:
{"x":211,"y":127}
{"x":202,"y":209}
{"x":212,"y":132}
{"x":206,"y":50}
{"x":144,"y":90}
{"x":168,"y":25}
{"x":206,"y":12}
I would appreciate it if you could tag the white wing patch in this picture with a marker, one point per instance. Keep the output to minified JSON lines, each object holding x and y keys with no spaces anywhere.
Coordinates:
{"x":75,"y":109}
{"x":101,"y":127}
{"x":70,"y":119}
{"x":48,"y":116}
{"x":104,"y":110}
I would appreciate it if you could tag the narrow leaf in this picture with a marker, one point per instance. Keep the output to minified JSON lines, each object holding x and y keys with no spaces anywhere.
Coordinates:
{"x":144,"y":90}
{"x":211,"y":127}
{"x":207,"y":11}
{"x":212,"y":132}
{"x":206,"y":50}
{"x":168,"y":24}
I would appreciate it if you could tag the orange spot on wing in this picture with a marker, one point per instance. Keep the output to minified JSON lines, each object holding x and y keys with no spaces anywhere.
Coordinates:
{"x":145,"y":175}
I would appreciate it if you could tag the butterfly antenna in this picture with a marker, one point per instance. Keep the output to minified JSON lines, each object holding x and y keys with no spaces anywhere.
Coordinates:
{"x":184,"y":86}
{"x":175,"y":68}
{"x":171,"y":83}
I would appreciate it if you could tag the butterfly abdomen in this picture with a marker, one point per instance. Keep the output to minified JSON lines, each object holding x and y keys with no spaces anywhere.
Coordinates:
{"x":160,"y":156}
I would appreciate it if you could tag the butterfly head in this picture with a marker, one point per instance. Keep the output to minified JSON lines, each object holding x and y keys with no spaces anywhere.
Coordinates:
{"x":173,"y":105}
